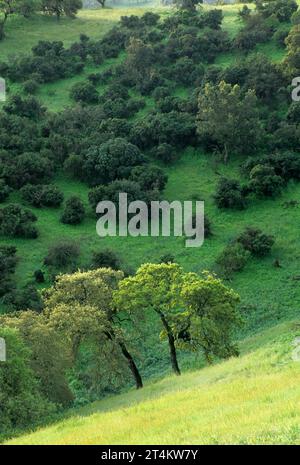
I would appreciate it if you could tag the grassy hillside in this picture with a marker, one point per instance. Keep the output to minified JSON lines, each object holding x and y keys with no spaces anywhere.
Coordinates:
{"x":253,"y":399}
{"x":268,"y":294}
{"x":250,"y":400}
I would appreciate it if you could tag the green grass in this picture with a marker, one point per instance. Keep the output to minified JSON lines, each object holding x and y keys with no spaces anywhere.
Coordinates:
{"x":248,"y":400}
{"x":22,"y":34}
{"x":268,"y":294}
{"x":253,"y":399}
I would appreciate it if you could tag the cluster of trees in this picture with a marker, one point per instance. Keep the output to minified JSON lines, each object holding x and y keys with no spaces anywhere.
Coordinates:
{"x":27,"y":8}
{"x":42,"y":195}
{"x":252,"y":242}
{"x":266,"y":177}
{"x":8,"y":262}
{"x":17,"y":222}
{"x":87,"y":309}
{"x":236,"y":111}
{"x":262,"y":23}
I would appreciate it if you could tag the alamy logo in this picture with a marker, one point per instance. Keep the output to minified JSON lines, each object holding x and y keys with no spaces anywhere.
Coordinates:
{"x":2,"y":90}
{"x":2,"y":350}
{"x":158,"y":218}
{"x":296,"y":351}
{"x":296,"y":90}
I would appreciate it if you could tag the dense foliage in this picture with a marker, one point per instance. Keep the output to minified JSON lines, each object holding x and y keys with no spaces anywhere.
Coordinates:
{"x":165,"y":94}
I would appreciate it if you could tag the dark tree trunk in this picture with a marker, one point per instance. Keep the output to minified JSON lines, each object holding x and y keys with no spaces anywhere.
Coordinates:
{"x":171,"y":339}
{"x":131,"y":363}
{"x":133,"y":368}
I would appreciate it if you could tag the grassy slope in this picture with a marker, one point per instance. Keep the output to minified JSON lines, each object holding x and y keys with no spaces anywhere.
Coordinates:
{"x":237,"y":401}
{"x":250,"y":400}
{"x":267,"y":293}
{"x":22,"y":34}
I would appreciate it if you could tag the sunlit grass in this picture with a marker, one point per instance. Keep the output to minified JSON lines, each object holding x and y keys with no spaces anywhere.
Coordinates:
{"x":254,"y":399}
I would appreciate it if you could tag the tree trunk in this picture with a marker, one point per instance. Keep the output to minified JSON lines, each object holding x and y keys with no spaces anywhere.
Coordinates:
{"x":131,"y":363}
{"x":171,"y":340}
{"x":225,"y":154}
{"x":133,"y":368}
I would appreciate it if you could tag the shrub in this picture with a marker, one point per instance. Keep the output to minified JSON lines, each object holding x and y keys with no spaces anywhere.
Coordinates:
{"x":28,"y":168}
{"x":62,"y":254}
{"x":28,"y":107}
{"x":167,"y":258}
{"x":30,"y":86}
{"x":106,"y":258}
{"x":256,"y":242}
{"x":20,"y":399}
{"x":111,"y":192}
{"x":4,"y":190}
{"x":84,"y":92}
{"x":74,"y":211}
{"x":24,"y":299}
{"x":207,"y":225}
{"x":285,"y":164}
{"x":149,"y":178}
{"x":39,"y":276}
{"x":264,"y":182}
{"x":293,"y":114}
{"x":161,"y":92}
{"x":73,"y":166}
{"x":280,"y":37}
{"x":113,"y":159}
{"x":164,"y":152}
{"x":230,"y":194}
{"x":42,"y":195}
{"x":17,"y":222}
{"x":174,"y":128}
{"x":281,"y":9}
{"x":233,"y":258}
{"x":8,"y":263}
{"x":150,"y":19}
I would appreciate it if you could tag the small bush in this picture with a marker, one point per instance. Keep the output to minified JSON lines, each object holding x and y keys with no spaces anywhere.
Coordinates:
{"x":256,"y":242}
{"x":30,"y":86}
{"x":42,"y":195}
{"x":264,"y":182}
{"x":167,"y":258}
{"x":39,"y":276}
{"x":207,"y":225}
{"x":233,"y":258}
{"x":74,"y":211}
{"x":230,"y":194}
{"x":106,"y":258}
{"x":164,"y":152}
{"x":149,"y":177}
{"x":280,"y":37}
{"x":21,"y":401}
{"x":84,"y":92}
{"x":17,"y":222}
{"x":8,"y":263}
{"x":4,"y":191}
{"x":24,"y":299}
{"x":62,"y":254}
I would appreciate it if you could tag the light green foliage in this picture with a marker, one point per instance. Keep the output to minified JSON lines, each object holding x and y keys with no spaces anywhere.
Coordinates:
{"x":81,"y":307}
{"x":252,"y":399}
{"x":154,"y":289}
{"x":49,"y":359}
{"x":211,"y":315}
{"x":20,"y":400}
